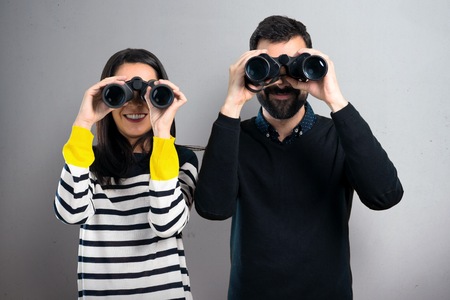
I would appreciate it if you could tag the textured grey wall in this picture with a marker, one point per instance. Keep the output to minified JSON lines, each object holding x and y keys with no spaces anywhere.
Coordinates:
{"x":392,"y":63}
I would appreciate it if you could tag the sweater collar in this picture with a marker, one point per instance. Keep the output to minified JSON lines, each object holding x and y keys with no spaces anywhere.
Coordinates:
{"x":305,"y":124}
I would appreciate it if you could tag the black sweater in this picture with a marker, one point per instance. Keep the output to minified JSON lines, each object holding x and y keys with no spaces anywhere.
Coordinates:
{"x":291,"y":203}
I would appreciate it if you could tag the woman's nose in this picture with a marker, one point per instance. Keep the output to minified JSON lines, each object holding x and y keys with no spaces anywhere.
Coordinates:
{"x":137,"y":100}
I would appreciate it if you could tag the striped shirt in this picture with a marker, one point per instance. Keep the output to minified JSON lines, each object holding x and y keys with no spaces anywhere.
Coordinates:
{"x":130,"y":236}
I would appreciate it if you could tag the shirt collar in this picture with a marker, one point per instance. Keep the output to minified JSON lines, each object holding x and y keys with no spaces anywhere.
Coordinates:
{"x":305,"y":124}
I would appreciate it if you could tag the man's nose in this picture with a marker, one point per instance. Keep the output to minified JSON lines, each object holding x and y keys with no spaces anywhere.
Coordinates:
{"x":282,"y":82}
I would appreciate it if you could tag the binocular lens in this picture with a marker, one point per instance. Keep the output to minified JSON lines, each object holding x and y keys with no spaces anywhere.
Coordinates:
{"x":114,"y":95}
{"x":257,"y":69}
{"x":161,"y":96}
{"x":315,"y":67}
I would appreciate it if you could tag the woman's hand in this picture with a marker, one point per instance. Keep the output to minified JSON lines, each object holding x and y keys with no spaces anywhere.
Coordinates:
{"x":162,"y":119}
{"x":92,"y":107}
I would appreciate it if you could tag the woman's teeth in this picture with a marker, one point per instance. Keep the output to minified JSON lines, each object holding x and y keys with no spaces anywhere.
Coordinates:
{"x":135,"y":116}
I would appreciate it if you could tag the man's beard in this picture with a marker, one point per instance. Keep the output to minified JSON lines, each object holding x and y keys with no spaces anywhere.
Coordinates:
{"x":282,"y":109}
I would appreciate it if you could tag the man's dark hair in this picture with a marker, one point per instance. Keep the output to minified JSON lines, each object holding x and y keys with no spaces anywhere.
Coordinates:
{"x":279,"y":29}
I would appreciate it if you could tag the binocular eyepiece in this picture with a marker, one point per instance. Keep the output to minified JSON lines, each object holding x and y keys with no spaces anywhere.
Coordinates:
{"x":116,"y":95}
{"x":263,"y":69}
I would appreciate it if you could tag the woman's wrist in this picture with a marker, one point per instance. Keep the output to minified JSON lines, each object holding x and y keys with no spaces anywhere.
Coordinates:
{"x":83,"y":123}
{"x":162,"y":133}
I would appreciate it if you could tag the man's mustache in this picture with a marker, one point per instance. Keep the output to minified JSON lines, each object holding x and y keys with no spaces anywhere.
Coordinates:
{"x":277,"y":90}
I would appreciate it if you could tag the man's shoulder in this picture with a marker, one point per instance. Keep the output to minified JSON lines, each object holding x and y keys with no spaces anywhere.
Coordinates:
{"x":248,"y":122}
{"x":324,"y":121}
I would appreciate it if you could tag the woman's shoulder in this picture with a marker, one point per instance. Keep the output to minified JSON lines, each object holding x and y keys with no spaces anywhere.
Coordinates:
{"x":186,"y":154}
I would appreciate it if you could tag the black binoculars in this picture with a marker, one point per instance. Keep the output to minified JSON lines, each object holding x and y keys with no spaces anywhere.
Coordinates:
{"x":263,"y":69}
{"x":116,"y":95}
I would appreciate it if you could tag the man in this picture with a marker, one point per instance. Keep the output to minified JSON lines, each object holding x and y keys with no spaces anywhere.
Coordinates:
{"x":287,"y":177}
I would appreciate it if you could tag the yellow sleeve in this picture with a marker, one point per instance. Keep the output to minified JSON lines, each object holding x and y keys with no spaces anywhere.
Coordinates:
{"x":78,"y":149}
{"x":164,"y":163}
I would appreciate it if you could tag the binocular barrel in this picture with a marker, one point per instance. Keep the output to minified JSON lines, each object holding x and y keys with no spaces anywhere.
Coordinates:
{"x":116,"y":95}
{"x":257,"y":69}
{"x":161,"y":95}
{"x":312,"y":67}
{"x":262,"y":68}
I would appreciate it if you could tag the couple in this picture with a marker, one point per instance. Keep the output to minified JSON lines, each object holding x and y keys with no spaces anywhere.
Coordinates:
{"x":286,"y":177}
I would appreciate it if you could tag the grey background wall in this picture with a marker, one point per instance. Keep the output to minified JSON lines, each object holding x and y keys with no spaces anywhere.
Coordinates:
{"x":392,"y":61}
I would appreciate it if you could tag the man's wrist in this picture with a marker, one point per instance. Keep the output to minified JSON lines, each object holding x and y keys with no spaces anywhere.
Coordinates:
{"x":336,"y":106}
{"x":231,"y":110}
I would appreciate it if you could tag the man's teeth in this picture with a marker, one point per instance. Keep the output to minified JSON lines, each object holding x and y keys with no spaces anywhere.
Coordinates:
{"x":135,"y":116}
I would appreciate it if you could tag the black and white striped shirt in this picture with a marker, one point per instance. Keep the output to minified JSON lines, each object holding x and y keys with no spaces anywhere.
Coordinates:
{"x":130,"y":235}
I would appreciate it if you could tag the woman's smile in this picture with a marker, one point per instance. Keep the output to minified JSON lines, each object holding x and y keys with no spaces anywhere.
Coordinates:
{"x":135,"y":117}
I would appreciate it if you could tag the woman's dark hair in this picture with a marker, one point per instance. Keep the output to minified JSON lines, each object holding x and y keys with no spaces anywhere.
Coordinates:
{"x":279,"y":29}
{"x":113,"y":153}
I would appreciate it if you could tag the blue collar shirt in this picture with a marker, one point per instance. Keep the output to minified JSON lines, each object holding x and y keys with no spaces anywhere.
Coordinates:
{"x":305,"y":124}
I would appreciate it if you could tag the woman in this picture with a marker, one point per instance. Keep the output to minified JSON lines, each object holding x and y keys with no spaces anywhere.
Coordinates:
{"x":131,"y":192}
